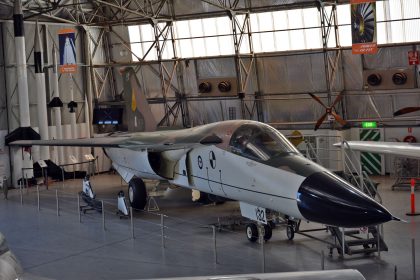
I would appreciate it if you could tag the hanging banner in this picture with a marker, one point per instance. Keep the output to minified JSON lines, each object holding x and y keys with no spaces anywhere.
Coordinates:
{"x":363,"y":26}
{"x":66,"y":39}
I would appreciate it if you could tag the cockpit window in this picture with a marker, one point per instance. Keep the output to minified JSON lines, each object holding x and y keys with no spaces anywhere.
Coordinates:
{"x":260,"y":142}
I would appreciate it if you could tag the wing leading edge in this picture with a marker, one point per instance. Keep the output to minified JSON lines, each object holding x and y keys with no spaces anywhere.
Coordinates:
{"x":105,"y":142}
{"x":411,"y":150}
{"x":154,"y":141}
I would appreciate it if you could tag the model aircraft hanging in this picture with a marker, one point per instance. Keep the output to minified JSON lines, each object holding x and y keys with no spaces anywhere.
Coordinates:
{"x":329,"y":111}
{"x":241,"y":160}
{"x":406,"y":110}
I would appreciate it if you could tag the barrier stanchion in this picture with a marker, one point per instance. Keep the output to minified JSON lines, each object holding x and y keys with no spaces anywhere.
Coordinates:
{"x":413,"y":199}
{"x":395,"y":273}
{"x":21,"y":192}
{"x":37,"y":197}
{"x":162,"y":229}
{"x":78,"y":208}
{"x":26,"y":183}
{"x":322,"y":260}
{"x":46,"y":179}
{"x":378,"y":241}
{"x":214,"y":244}
{"x":103,"y":215}
{"x":62,"y":175}
{"x":57,"y":203}
{"x":413,"y":256}
{"x":261,"y":239}
{"x":131,"y":222}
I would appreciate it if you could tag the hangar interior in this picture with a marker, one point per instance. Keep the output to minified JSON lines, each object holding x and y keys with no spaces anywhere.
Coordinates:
{"x":200,"y":62}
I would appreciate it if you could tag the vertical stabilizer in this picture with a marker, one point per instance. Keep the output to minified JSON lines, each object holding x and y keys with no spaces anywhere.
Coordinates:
{"x":140,"y":117}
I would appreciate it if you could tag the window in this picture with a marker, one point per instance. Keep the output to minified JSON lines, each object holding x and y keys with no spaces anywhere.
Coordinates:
{"x":297,"y":29}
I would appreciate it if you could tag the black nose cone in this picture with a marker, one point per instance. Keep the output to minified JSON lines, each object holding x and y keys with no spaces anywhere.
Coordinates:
{"x":327,"y":199}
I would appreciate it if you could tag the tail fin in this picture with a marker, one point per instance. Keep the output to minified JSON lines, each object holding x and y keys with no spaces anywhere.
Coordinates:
{"x":139,"y":108}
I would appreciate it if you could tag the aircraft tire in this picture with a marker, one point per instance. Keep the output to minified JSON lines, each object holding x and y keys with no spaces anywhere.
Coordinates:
{"x":137,"y":194}
{"x":290,"y":231}
{"x":268,"y":232}
{"x":251,"y":231}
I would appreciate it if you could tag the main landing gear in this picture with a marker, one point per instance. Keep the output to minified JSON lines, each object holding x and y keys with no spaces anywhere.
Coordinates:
{"x":137,"y":194}
{"x":252,"y":233}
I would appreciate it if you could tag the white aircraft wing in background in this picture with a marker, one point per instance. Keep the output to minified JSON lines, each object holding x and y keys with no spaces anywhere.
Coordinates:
{"x":411,"y":150}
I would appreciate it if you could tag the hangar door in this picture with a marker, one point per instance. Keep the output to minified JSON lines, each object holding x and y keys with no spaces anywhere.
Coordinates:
{"x":371,"y":163}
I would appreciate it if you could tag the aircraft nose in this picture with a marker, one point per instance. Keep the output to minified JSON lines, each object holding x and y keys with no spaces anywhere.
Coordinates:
{"x":327,"y":199}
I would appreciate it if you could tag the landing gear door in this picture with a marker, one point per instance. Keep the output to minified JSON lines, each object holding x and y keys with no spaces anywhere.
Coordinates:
{"x":253,"y":212}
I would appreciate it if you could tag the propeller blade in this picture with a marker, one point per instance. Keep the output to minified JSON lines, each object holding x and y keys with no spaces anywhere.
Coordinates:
{"x":338,"y":118}
{"x":320,"y":121}
{"x":317,"y":99}
{"x":406,"y":110}
{"x":337,"y":99}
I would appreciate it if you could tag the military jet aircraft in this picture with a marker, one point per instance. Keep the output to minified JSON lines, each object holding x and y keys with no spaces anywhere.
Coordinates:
{"x":241,"y":160}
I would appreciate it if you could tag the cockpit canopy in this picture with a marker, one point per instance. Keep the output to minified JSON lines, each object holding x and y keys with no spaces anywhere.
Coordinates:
{"x":260,"y":142}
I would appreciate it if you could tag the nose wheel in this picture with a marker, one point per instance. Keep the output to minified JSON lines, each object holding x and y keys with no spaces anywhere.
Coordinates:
{"x":290,"y":232}
{"x":291,"y":228}
{"x":252,"y":234}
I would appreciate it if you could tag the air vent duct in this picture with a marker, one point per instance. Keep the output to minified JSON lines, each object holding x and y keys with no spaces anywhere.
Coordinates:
{"x":204,"y":87}
{"x":220,"y":86}
{"x":374,"y":80}
{"x":399,"y":78}
{"x":224,"y":86}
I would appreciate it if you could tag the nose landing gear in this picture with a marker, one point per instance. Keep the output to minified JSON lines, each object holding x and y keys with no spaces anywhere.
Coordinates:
{"x":252,"y":234}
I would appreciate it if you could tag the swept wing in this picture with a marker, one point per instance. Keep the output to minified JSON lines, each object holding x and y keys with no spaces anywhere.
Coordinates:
{"x":411,"y":150}
{"x":156,"y":141}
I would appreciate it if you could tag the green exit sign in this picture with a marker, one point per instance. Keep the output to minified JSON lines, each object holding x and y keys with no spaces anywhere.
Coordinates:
{"x":369,"y":125}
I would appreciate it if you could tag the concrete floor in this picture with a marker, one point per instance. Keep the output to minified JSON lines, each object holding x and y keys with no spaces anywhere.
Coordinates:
{"x":60,"y":247}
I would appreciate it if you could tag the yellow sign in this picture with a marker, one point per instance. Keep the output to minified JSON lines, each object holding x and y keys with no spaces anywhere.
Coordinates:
{"x":296,"y":138}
